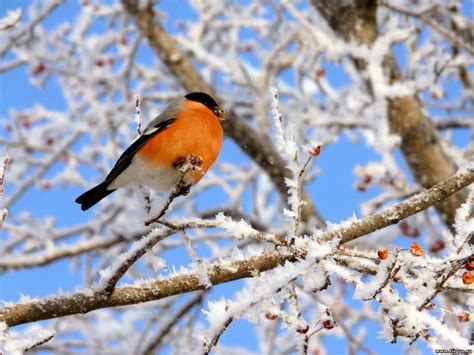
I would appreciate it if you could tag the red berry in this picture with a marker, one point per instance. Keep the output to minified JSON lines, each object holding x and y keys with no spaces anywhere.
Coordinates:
{"x":416,"y":250}
{"x":415,"y":233}
{"x":467,"y":278}
{"x":271,"y":316}
{"x":320,"y":72}
{"x":328,"y":324}
{"x":247,"y":48}
{"x":464,"y":317}
{"x":382,"y":254}
{"x":404,"y":227}
{"x":437,"y":246}
{"x":303,"y":330}
{"x":315,"y":151}
{"x":47,"y":185}
{"x":39,"y":69}
{"x":469,"y":265}
{"x":25,"y":121}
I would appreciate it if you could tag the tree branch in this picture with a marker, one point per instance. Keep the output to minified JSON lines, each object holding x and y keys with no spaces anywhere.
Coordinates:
{"x":87,"y":300}
{"x":114,"y":273}
{"x":394,"y":214}
{"x":167,"y":327}
{"x":356,"y":21}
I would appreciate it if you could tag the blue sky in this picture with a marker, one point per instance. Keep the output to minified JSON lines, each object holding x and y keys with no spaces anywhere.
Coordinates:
{"x":332,"y":192}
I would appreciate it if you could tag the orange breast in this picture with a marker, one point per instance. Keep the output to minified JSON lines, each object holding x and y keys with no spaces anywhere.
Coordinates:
{"x":196,"y":131}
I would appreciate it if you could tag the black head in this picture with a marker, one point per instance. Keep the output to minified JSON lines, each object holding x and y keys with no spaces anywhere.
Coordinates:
{"x":207,"y":101}
{"x":203,"y":98}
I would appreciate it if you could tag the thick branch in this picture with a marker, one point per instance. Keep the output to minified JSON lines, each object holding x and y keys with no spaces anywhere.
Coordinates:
{"x":356,"y":21}
{"x":86,"y":301}
{"x":394,"y":214}
{"x":257,"y":145}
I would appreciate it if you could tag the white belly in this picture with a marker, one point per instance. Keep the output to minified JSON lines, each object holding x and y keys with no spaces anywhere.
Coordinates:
{"x":140,"y":173}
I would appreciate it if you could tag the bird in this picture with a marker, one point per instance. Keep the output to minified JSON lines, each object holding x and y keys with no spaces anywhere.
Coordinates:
{"x":187,"y":131}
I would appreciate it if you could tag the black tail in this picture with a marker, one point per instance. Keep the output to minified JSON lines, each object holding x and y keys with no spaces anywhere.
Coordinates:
{"x":94,"y":195}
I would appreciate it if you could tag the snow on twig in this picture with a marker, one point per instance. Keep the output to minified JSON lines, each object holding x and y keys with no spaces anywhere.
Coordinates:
{"x":112,"y":275}
{"x":286,"y":144}
{"x":14,"y":343}
{"x":138,"y":114}
{"x":10,"y":19}
{"x":198,"y":262}
{"x":3,"y":211}
{"x":427,"y":16}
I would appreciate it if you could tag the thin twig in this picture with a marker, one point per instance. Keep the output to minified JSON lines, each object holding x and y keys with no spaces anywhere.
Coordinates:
{"x":167,"y":327}
{"x":392,"y":271}
{"x":126,"y":260}
{"x":216,"y":337}
{"x":440,"y":284}
{"x":138,"y":114}
{"x":427,"y":18}
{"x":28,"y":29}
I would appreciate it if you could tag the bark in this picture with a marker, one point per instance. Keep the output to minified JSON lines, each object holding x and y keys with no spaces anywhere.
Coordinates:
{"x":356,"y":21}
{"x":256,"y":144}
{"x":88,"y":300}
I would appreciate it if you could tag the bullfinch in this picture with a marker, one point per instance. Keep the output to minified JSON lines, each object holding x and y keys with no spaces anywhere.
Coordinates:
{"x":188,"y":128}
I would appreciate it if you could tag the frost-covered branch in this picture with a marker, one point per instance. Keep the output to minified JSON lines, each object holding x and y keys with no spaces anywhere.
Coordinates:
{"x":20,"y":32}
{"x":3,"y":170}
{"x":27,"y":340}
{"x":11,"y":19}
{"x":87,"y":300}
{"x":157,"y":340}
{"x":38,"y":259}
{"x":112,"y":275}
{"x":394,"y":214}
{"x":287,"y":146}
{"x":420,"y":144}
{"x":43,"y":169}
{"x":427,"y":17}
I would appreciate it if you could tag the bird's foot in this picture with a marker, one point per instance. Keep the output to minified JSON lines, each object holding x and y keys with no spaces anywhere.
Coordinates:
{"x":182,"y":187}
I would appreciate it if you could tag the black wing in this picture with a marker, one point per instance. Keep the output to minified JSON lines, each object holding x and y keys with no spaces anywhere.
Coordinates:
{"x":126,"y":157}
